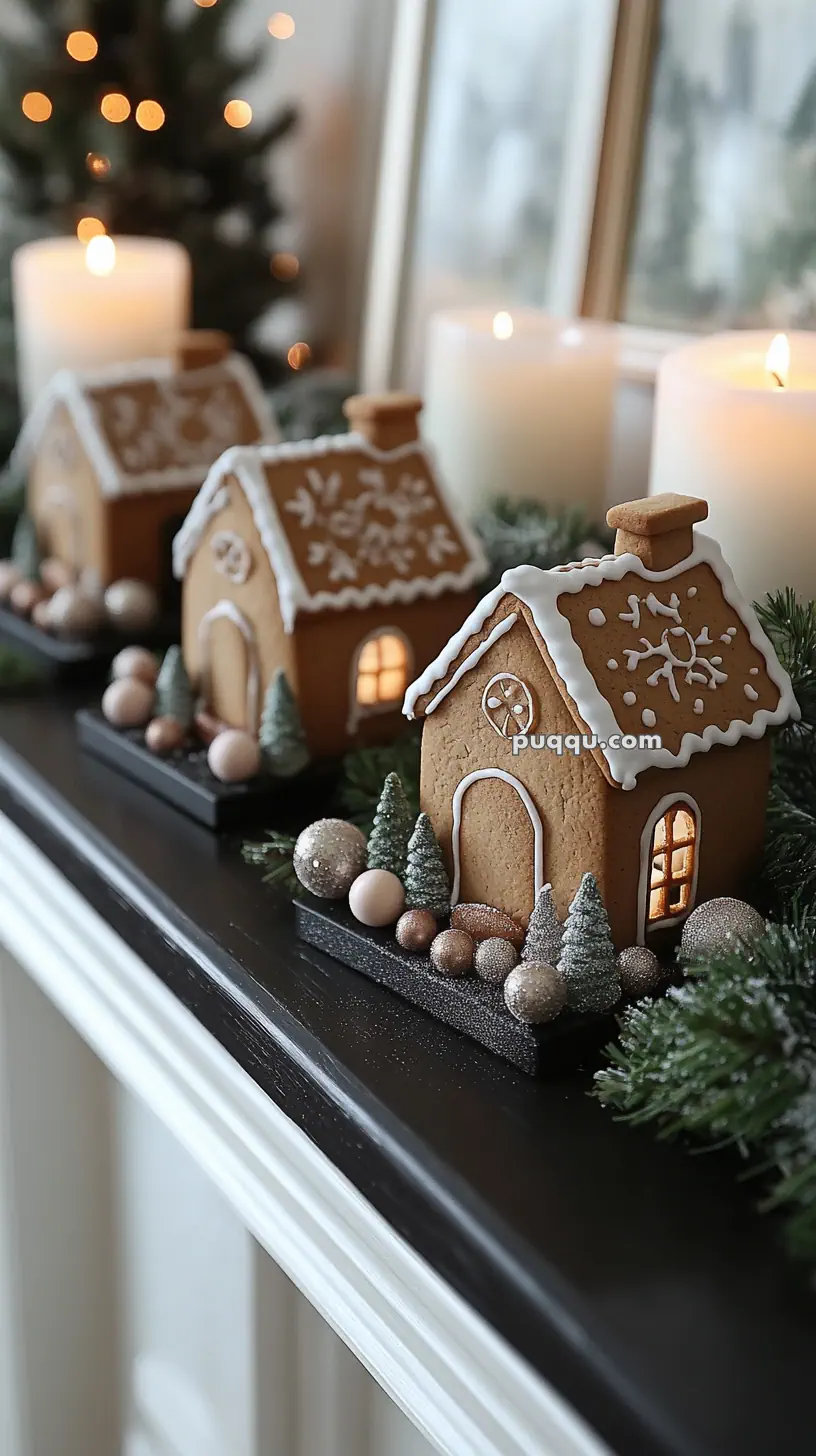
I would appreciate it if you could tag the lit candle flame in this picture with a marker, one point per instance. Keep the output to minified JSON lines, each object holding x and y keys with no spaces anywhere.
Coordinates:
{"x":100,"y":256}
{"x":503,"y":326}
{"x":777,"y":361}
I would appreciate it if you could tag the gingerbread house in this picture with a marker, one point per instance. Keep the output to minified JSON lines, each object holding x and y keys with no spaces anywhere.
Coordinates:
{"x":114,"y":458}
{"x":609,"y":716}
{"x":340,"y":561}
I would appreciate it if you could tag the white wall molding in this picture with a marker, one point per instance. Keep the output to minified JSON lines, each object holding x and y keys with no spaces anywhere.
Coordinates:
{"x":455,"y":1378}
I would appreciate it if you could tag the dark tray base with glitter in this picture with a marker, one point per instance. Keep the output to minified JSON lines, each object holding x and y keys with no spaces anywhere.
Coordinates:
{"x":79,"y":658}
{"x":184,"y":780}
{"x":467,"y":1004}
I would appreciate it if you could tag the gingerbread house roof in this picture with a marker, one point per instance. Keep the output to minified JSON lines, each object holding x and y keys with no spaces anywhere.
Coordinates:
{"x":149,"y":425}
{"x":676,"y":653}
{"x":343,"y":523}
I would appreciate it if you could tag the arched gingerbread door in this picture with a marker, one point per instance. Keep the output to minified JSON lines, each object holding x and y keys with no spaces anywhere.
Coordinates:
{"x":497,"y":843}
{"x":230,"y":670}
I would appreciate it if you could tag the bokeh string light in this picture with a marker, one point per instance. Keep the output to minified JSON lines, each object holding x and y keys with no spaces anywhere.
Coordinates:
{"x":284,"y":266}
{"x":237,"y":113}
{"x":89,"y":227}
{"x":97,"y":164}
{"x":299,"y":356}
{"x":280,"y":25}
{"x":81,"y":45}
{"x":115,"y":107}
{"x":150,"y":115}
{"x":36,"y":106}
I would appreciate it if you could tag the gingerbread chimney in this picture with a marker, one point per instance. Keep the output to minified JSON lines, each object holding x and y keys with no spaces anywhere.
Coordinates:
{"x":385,"y":420}
{"x":198,"y":348}
{"x":658,"y":529}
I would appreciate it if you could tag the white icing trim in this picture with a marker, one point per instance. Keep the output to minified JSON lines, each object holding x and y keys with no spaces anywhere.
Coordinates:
{"x":510,"y":721}
{"x":71,"y":389}
{"x":470,"y":662}
{"x":535,"y":819}
{"x":358,"y":711}
{"x":248,"y":464}
{"x":539,"y":591}
{"x":228,"y":609}
{"x":644,"y":883}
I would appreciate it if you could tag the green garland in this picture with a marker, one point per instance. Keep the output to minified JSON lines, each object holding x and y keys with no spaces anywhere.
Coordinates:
{"x":729,"y":1058}
{"x":516,"y":532}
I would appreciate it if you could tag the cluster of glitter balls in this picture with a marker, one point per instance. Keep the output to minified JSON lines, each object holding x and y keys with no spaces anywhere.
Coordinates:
{"x":330,"y":861}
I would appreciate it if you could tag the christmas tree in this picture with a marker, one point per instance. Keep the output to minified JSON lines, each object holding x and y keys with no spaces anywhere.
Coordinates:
{"x":393,"y":822}
{"x":544,"y":932}
{"x":587,"y":954}
{"x":426,"y":880}
{"x":25,"y":550}
{"x":130,"y":113}
{"x":281,"y":737}
{"x":174,"y":694}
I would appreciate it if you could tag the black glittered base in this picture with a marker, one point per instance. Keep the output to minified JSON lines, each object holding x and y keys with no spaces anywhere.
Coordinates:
{"x":184,"y":780}
{"x":75,"y":659}
{"x":467,"y":1004}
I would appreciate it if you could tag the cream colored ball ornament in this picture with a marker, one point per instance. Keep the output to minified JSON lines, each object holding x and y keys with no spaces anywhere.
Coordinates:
{"x":131,"y":605}
{"x":41,"y":614}
{"x":377,"y":898}
{"x":136,"y":662}
{"x":25,"y":596}
{"x":234,"y":756}
{"x":127,"y":703}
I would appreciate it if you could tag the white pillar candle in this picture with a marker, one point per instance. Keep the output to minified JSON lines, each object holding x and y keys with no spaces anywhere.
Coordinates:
{"x":81,"y":307}
{"x":739,"y":428}
{"x":521,"y":404}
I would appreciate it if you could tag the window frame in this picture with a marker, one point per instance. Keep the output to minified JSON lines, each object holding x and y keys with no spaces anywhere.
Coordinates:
{"x":599,"y":192}
{"x":358,"y":711}
{"x":676,"y":800}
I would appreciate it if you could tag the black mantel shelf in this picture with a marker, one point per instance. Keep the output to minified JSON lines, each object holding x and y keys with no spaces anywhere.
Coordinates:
{"x":638,"y":1280}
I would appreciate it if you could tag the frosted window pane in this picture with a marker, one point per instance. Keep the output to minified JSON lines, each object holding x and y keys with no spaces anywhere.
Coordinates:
{"x":725,"y":228}
{"x":502,"y":80}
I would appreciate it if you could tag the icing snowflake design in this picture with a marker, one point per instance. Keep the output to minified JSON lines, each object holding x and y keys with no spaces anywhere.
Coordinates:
{"x":232,"y":556}
{"x":175,"y":430}
{"x":678,"y":651}
{"x":508,"y":706}
{"x":346,"y":540}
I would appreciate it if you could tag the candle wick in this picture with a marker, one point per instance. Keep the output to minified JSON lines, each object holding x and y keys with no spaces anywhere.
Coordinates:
{"x":778,"y":378}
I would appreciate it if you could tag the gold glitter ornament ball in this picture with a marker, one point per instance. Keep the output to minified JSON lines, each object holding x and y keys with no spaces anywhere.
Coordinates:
{"x":717,"y":925}
{"x":495,"y":959}
{"x":416,"y":929}
{"x":535,"y":993}
{"x":328,"y":857}
{"x":452,"y":953}
{"x":639,"y":970}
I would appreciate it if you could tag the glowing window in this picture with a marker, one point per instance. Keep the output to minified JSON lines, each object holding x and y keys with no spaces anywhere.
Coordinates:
{"x":674,"y":847}
{"x":382,"y":672}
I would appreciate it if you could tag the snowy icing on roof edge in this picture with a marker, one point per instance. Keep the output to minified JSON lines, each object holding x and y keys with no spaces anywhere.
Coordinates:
{"x":247,"y":464}
{"x":70,"y":387}
{"x":539,"y":591}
